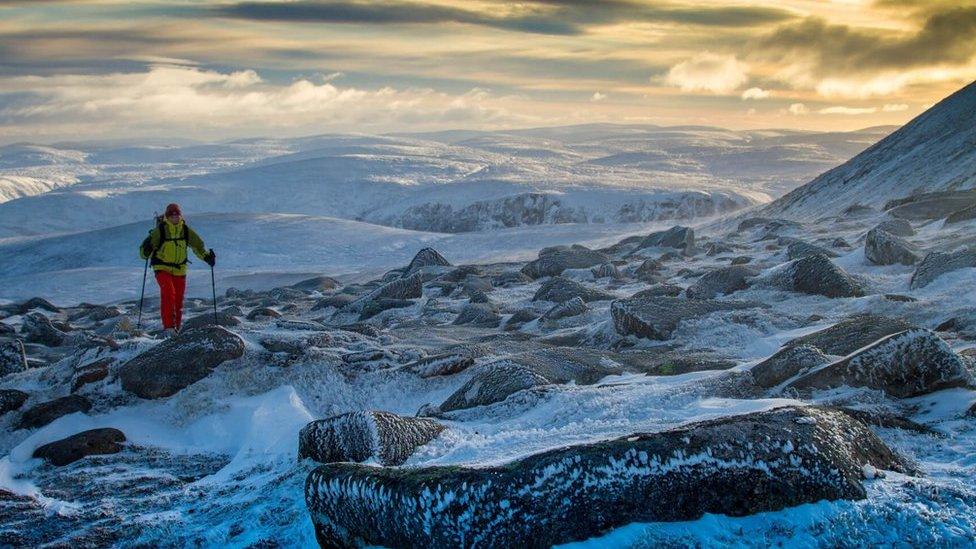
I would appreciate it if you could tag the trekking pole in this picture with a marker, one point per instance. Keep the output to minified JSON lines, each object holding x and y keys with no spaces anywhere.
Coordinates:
{"x":213,"y":287}
{"x":142,"y":293}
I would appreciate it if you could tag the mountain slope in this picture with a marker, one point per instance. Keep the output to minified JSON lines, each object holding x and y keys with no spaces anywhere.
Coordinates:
{"x":934,"y":152}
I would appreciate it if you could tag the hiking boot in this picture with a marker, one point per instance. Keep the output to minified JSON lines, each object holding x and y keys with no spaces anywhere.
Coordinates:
{"x":168,"y":333}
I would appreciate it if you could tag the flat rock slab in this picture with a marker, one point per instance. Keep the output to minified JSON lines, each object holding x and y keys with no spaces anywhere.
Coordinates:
{"x":87,"y":443}
{"x":179,"y":362}
{"x":733,"y":466}
{"x":906,"y":364}
{"x":358,"y":436}
{"x":46,"y":412}
{"x":658,"y":317}
{"x":851,"y":334}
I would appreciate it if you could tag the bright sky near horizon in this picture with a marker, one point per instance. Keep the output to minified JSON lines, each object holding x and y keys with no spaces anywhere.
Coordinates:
{"x":225,"y":69}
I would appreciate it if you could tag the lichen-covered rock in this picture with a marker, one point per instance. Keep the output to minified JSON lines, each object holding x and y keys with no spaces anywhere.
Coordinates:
{"x":179,"y":362}
{"x":37,"y":328}
{"x":851,"y":334}
{"x":906,"y":364}
{"x":721,"y":282}
{"x":223,"y":318}
{"x":46,"y":412}
{"x":733,"y":466}
{"x":786,"y":363}
{"x":557,"y":261}
{"x":798,"y":249}
{"x":558,"y":289}
{"x":573,"y":307}
{"x":478,"y":314}
{"x":358,"y":436}
{"x":11,"y":399}
{"x":77,"y":446}
{"x":936,"y":264}
{"x":12,"y":357}
{"x":884,"y":248}
{"x":814,"y":274}
{"x":658,"y":317}
{"x":679,"y":237}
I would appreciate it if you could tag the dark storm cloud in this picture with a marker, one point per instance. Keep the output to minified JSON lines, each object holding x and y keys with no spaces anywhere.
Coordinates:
{"x":559,"y":17}
{"x":944,"y":37}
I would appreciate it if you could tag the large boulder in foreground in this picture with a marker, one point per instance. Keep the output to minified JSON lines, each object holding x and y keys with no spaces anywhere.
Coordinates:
{"x":87,"y":443}
{"x":358,"y":436}
{"x":554,"y":262}
{"x":815,"y":274}
{"x":906,"y":364}
{"x":937,"y":264}
{"x":733,"y":466}
{"x":179,"y":362}
{"x":852,"y":333}
{"x":884,"y":248}
{"x":657,"y":317}
{"x":721,"y":282}
{"x":559,"y":290}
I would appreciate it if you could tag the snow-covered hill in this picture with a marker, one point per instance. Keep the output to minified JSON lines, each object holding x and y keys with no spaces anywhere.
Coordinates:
{"x":934,"y":152}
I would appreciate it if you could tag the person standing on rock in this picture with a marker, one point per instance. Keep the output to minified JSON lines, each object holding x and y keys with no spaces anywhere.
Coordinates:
{"x":165,"y":247}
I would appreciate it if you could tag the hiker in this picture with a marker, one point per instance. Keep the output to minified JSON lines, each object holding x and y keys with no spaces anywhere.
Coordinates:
{"x":165,"y":247}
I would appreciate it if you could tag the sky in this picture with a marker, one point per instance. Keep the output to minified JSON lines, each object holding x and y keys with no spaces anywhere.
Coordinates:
{"x":104,"y":69}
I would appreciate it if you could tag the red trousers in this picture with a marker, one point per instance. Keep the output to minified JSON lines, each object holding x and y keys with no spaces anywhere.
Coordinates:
{"x":171,"y":290}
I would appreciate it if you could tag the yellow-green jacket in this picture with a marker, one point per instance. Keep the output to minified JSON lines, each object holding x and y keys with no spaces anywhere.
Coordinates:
{"x":170,"y":243}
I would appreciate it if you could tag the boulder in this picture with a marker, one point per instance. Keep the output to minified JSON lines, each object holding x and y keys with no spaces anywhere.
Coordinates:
{"x":717,"y":248}
{"x":179,"y":362}
{"x":38,"y":328}
{"x":936,"y":264}
{"x":11,"y":399}
{"x":906,"y":364}
{"x":92,"y":372}
{"x":786,"y":363}
{"x":37,"y":303}
{"x":573,"y":307}
{"x":679,"y":237}
{"x":884,"y":248}
{"x":658,"y":317}
{"x":86,"y":443}
{"x":410,"y":287}
{"x":377,"y":306}
{"x":510,"y":278}
{"x":478,"y":314}
{"x":493,"y":384}
{"x":317,"y":284}
{"x":799,"y":249}
{"x":224,"y":319}
{"x":46,"y":412}
{"x":557,"y":261}
{"x":648,"y":270}
{"x":263,"y":312}
{"x":338,"y":301}
{"x":897,"y":227}
{"x":427,"y":257}
{"x":558,"y":290}
{"x":12,"y":357}
{"x":358,"y":436}
{"x":851,"y":334}
{"x":606,"y":270}
{"x":734,"y":466}
{"x":721,"y":282}
{"x":814,"y":274}
{"x":446,"y":363}
{"x":840,"y":243}
{"x":521,"y":316}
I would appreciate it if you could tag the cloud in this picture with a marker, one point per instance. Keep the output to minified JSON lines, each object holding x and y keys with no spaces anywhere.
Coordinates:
{"x":755,"y":93}
{"x":708,"y":72}
{"x":847,"y":110}
{"x":798,"y":109}
{"x":895,"y":107}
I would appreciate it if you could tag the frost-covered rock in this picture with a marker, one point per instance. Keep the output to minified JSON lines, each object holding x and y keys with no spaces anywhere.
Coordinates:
{"x":897,"y":227}
{"x":658,"y":317}
{"x":12,"y":357}
{"x":359,"y":436}
{"x":223,"y":318}
{"x":262,"y":313}
{"x":679,"y":237}
{"x":559,"y":290}
{"x":521,"y":316}
{"x":11,"y":399}
{"x":179,"y":362}
{"x":964,"y":214}
{"x":648,"y":270}
{"x":37,"y":328}
{"x":814,"y":274}
{"x":852,"y":333}
{"x":573,"y":307}
{"x":884,"y":248}
{"x":478,"y":314}
{"x":936,"y":264}
{"x":733,"y":466}
{"x":36,"y":303}
{"x":46,"y":412}
{"x":906,"y":364}
{"x":786,"y":363}
{"x":493,"y":384}
{"x":77,"y":446}
{"x":605,"y":270}
{"x":798,"y":249}
{"x":717,"y":248}
{"x":92,"y":372}
{"x":555,"y":262}
{"x":427,"y":257}
{"x":377,"y":306}
{"x":410,"y":287}
{"x":317,"y":284}
{"x":658,"y":290}
{"x":721,"y":282}
{"x":447,"y":363}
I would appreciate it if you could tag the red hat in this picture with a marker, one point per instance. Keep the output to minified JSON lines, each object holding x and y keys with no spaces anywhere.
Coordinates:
{"x":173,"y":208}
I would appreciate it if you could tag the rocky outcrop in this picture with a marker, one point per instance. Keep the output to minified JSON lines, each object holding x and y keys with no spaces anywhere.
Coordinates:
{"x":557,"y":261}
{"x":658,"y":317}
{"x":427,"y":257}
{"x":559,"y":290}
{"x":814,"y":274}
{"x":786,"y":363}
{"x":682,"y":238}
{"x":884,"y":248}
{"x":12,"y":357}
{"x":906,"y":364}
{"x":936,"y":264}
{"x":733,"y":466}
{"x":573,"y":307}
{"x":358,"y":436}
{"x":37,"y":328}
{"x":179,"y":362}
{"x":478,"y":314}
{"x":851,"y":334}
{"x":11,"y":399}
{"x":86,"y":443}
{"x":46,"y":412}
{"x":721,"y":282}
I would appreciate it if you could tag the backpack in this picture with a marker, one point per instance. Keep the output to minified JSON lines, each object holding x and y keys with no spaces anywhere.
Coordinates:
{"x":163,"y":238}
